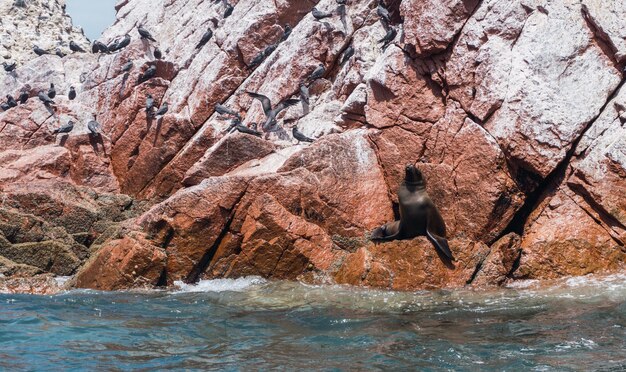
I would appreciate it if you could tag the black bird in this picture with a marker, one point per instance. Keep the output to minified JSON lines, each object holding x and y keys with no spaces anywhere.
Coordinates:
{"x":317,"y":14}
{"x":388,"y":38}
{"x":145,"y":34}
{"x":11,"y":101}
{"x":149,"y":104}
{"x":304,"y":93}
{"x":300,"y":136}
{"x":38,"y":51}
{"x":148,"y":74}
{"x":5,"y":106}
{"x":24,"y":96}
{"x":158,"y":54}
{"x":127,"y":67}
{"x":229,"y":9}
{"x":124,"y":42}
{"x":76,"y":48}
{"x":43,"y":97}
{"x":383,"y":13}
{"x":224,"y":110}
{"x":267,"y":108}
{"x":162,"y":111}
{"x":318,"y":73}
{"x":99,"y":47}
{"x":205,"y":38}
{"x":9,"y":67}
{"x":341,"y":2}
{"x":72,"y":94}
{"x":64,"y":128}
{"x":52,"y":92}
{"x":59,"y":53}
{"x":94,"y":128}
{"x":286,"y":32}
{"x":347,"y":54}
{"x":341,"y":10}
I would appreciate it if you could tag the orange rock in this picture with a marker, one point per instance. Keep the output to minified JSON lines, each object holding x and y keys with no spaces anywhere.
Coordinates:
{"x":132,"y":262}
{"x":411,"y":265}
{"x":564,"y":238}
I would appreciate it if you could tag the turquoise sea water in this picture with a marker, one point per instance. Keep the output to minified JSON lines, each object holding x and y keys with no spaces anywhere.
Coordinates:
{"x":248,"y":324}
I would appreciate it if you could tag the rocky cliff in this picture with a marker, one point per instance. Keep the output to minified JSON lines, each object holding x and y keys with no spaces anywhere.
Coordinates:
{"x":513,"y":110}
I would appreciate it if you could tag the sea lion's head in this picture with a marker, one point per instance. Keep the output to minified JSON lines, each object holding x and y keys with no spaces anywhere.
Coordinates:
{"x":413,"y":176}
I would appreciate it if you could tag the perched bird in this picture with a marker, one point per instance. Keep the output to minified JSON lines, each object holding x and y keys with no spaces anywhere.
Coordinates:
{"x":43,"y":97}
{"x":11,"y":101}
{"x":347,"y":54}
{"x":99,"y":47}
{"x":64,"y":128}
{"x":228,"y":10}
{"x":38,"y":51}
{"x":145,"y":34}
{"x":94,"y":128}
{"x":124,"y":42}
{"x":267,"y":108}
{"x":76,"y":48}
{"x":205,"y":38}
{"x":162,"y":111}
{"x":317,"y":14}
{"x":388,"y":38}
{"x":304,"y":93}
{"x":5,"y":106}
{"x":300,"y":136}
{"x":149,"y":104}
{"x":286,"y":33}
{"x":51,"y":91}
{"x":158,"y":54}
{"x":317,"y":73}
{"x":24,"y":96}
{"x":9,"y":67}
{"x":383,"y":13}
{"x":127,"y":67}
{"x":59,"y":53}
{"x":72,"y":94}
{"x":341,"y":10}
{"x":148,"y":74}
{"x":224,"y":110}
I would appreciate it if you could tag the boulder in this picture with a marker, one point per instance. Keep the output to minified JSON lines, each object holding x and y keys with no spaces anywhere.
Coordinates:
{"x":130,"y":262}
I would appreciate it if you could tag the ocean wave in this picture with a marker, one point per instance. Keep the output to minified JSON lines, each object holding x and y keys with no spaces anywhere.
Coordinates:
{"x":219,"y":285}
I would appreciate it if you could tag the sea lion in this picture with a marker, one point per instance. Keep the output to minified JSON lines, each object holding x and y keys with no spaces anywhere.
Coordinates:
{"x":418,"y":215}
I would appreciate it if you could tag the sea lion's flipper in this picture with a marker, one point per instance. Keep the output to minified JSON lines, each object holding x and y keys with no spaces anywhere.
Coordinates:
{"x":441,"y":244}
{"x":386,"y":232}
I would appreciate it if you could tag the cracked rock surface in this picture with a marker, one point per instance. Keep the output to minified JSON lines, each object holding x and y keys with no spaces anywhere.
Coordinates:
{"x":513,"y":110}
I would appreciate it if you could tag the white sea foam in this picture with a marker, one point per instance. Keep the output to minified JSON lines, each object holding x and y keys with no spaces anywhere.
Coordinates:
{"x":220,"y":285}
{"x":61,"y":280}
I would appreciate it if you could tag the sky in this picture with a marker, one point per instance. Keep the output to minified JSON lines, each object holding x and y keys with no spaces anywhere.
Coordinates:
{"x":92,"y":15}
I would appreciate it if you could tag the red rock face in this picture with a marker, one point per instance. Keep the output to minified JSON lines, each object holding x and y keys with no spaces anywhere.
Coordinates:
{"x":514,"y":113}
{"x":130,"y":262}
